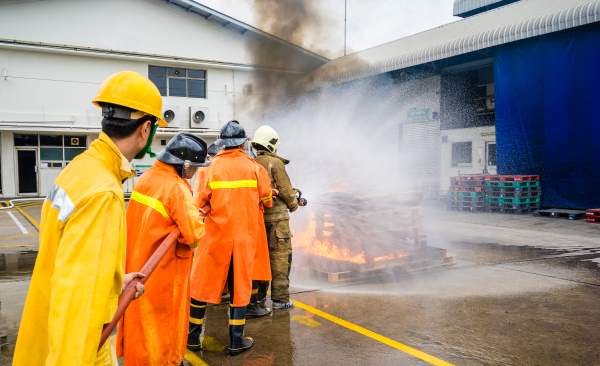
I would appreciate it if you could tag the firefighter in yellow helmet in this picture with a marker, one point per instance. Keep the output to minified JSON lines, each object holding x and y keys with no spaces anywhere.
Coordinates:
{"x":79,"y":271}
{"x":266,"y":141}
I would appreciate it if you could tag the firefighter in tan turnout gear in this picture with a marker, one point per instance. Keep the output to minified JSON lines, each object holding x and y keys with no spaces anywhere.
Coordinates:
{"x":266,"y":141}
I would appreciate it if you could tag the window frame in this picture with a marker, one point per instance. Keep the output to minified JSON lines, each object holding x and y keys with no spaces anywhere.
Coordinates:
{"x":453,"y":158}
{"x":63,"y":147}
{"x":186,"y":77}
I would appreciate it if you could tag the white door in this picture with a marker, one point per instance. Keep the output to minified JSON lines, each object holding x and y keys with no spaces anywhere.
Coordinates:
{"x":490,"y":157}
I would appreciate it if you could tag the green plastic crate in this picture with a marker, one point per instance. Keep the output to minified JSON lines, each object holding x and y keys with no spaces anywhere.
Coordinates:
{"x":517,"y":185}
{"x":512,"y":200}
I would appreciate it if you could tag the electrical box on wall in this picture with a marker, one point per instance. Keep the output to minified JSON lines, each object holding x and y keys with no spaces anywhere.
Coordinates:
{"x":198,"y":117}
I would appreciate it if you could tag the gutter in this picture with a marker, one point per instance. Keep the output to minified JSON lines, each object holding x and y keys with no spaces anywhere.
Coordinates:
{"x":136,"y":56}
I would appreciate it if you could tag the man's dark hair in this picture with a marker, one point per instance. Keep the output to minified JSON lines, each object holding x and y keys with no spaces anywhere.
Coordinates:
{"x":120,"y":128}
{"x":116,"y":123}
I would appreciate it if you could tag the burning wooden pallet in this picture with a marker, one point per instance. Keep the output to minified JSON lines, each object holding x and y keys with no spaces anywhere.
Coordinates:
{"x":429,"y":258}
{"x":349,"y":237}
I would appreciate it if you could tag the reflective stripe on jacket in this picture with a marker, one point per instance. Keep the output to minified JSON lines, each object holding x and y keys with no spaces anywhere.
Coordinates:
{"x":262,"y":266}
{"x":236,"y":190}
{"x":154,"y":328}
{"x":78,"y":272}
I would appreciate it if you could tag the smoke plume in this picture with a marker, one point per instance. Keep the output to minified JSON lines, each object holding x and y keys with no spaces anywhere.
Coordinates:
{"x":292,"y":21}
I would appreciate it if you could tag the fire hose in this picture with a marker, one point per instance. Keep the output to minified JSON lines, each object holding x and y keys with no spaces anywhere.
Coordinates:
{"x":128,"y":293}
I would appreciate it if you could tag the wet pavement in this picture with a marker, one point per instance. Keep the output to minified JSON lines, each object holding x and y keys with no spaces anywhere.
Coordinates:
{"x":524,"y":290}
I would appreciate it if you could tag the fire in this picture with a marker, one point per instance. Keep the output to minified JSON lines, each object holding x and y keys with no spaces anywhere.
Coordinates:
{"x":390,"y":257}
{"x":309,"y":243}
{"x":323,"y":246}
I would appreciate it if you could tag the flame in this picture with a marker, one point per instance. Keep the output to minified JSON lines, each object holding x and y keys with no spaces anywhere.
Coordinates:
{"x":390,"y":257}
{"x":324,"y":248}
{"x":308,"y":242}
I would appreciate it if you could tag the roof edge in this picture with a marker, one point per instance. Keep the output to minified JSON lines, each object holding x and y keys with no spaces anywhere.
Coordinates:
{"x":353,"y":67}
{"x":195,"y":5}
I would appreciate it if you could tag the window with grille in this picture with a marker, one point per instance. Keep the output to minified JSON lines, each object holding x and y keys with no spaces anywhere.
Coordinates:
{"x":178,"y":82}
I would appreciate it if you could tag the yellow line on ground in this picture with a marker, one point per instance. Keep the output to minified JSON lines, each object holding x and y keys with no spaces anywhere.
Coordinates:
{"x":31,"y":220}
{"x":378,"y":337}
{"x":194,"y":359}
{"x":31,"y":204}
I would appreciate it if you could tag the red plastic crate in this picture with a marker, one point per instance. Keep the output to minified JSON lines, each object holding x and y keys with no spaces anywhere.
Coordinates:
{"x":512,"y":178}
{"x":465,"y":189}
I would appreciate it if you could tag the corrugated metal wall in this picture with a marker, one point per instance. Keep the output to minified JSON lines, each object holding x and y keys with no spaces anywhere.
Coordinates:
{"x":420,"y":142}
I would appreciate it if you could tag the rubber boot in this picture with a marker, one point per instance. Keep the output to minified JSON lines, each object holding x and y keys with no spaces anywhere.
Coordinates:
{"x":238,"y":343}
{"x":282,"y":305}
{"x":258,"y":304}
{"x":196,"y":326}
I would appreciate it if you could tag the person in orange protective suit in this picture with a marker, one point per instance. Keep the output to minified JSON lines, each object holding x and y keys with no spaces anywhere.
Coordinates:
{"x":235,"y":191}
{"x":153,"y":330}
{"x":200,"y":182}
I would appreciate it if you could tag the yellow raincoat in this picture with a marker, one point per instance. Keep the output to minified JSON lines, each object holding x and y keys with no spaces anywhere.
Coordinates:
{"x":80,"y":265}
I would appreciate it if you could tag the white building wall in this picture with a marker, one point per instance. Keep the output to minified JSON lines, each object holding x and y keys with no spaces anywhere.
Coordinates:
{"x":50,"y":89}
{"x":152,"y":27}
{"x":52,"y":93}
{"x":478,"y":136}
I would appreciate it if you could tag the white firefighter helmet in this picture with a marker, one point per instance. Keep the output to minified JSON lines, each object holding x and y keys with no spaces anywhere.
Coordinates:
{"x":266,"y":137}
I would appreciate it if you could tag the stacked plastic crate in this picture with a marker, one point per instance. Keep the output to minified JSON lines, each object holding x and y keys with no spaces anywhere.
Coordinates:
{"x":512,"y":193}
{"x":466,"y":193}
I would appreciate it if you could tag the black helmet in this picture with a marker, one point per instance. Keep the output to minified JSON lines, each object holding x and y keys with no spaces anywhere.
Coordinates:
{"x":214,"y":149}
{"x":184,"y":147}
{"x":232,"y":134}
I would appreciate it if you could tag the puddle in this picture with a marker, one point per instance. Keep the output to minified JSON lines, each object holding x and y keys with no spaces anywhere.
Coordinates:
{"x":15,"y":275}
{"x":16,"y":265}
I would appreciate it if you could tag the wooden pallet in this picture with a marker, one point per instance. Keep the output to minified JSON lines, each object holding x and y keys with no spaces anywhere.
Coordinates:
{"x":428,"y":258}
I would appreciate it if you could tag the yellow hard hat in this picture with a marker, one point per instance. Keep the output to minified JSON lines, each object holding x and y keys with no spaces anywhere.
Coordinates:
{"x":266,"y":137}
{"x":134,"y":91}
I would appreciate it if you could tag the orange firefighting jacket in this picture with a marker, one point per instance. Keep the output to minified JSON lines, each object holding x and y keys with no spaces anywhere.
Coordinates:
{"x":236,"y":189}
{"x":262,"y":266}
{"x":77,"y":277}
{"x":154,"y":328}
{"x":199,"y":183}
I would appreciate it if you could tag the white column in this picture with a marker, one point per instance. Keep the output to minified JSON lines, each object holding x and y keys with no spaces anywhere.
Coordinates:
{"x":9,"y":169}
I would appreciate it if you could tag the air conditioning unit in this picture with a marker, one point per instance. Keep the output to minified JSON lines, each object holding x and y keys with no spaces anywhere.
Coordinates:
{"x":172,"y":115}
{"x":198,"y":117}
